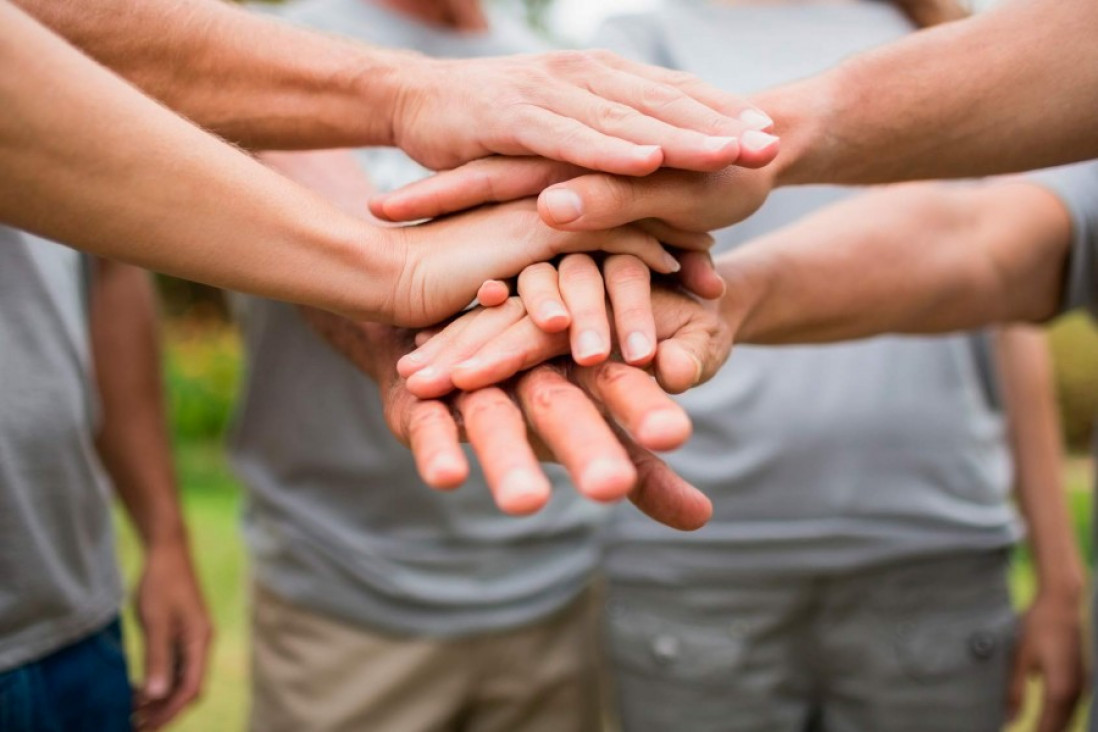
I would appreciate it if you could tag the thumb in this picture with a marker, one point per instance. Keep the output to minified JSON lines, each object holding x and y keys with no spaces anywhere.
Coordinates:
{"x":599,"y":201}
{"x":687,"y":358}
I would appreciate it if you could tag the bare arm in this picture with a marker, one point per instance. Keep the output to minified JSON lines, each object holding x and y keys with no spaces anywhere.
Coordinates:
{"x":97,"y":165}
{"x":917,"y":258}
{"x":1011,"y":89}
{"x":267,"y":85}
{"x":1051,"y":641}
{"x":133,"y":443}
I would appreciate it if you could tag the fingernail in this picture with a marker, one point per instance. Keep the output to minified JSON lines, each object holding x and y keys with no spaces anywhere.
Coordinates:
{"x":428,"y":374}
{"x":469,"y":364}
{"x":715,"y":144}
{"x":521,"y":491}
{"x":643,"y":152}
{"x":553,"y":310}
{"x":637,"y":346}
{"x":564,"y":205}
{"x":589,"y":344}
{"x":664,"y":429}
{"x":605,"y":479}
{"x":444,"y":470}
{"x":671,"y":264}
{"x":756,"y":141}
{"x":755,"y":119}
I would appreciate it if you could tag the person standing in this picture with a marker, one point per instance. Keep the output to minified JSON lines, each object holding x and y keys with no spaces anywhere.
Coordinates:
{"x":380,"y":603}
{"x":81,"y":413}
{"x":854,"y":575}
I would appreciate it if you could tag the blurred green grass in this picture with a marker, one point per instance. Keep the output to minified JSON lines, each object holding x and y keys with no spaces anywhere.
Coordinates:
{"x":203,"y":370}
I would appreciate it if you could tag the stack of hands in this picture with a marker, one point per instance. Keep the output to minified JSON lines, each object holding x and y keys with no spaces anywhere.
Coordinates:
{"x":557,"y":363}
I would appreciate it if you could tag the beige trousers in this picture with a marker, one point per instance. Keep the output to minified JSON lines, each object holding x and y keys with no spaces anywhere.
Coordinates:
{"x":313,"y":673}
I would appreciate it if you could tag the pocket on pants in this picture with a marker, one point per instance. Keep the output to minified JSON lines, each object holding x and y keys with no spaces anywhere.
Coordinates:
{"x":656,"y":646}
{"x":941,"y":645}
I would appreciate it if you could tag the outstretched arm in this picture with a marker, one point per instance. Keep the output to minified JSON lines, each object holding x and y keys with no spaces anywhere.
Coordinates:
{"x":91,"y":162}
{"x":916,"y":258}
{"x":1011,"y":89}
{"x":268,"y":85}
{"x":99,"y":166}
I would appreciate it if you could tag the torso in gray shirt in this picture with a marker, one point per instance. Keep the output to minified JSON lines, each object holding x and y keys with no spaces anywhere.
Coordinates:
{"x":337,"y":519}
{"x":818,"y":459}
{"x":58,"y":575}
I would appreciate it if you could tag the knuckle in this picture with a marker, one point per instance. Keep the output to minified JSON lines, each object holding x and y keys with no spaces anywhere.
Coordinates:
{"x":484,"y":405}
{"x":423,"y":418}
{"x":611,"y":374}
{"x":627,"y":271}
{"x":656,"y":96}
{"x":680,"y":78}
{"x":546,"y":394}
{"x":568,"y":60}
{"x":614,"y":116}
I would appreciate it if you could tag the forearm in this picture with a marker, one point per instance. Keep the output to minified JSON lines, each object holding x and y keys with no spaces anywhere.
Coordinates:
{"x":919,"y":258}
{"x":133,"y":441}
{"x":253,"y":80}
{"x":97,"y":165}
{"x":1008,"y":90}
{"x":1025,"y":369}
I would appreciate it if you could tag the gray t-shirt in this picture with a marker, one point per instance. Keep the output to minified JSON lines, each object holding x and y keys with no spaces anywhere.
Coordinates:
{"x":337,"y":519}
{"x":817,"y":459}
{"x":1077,"y":187}
{"x":58,"y":575}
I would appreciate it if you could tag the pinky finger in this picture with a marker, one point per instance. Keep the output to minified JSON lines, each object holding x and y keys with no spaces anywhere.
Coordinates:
{"x":662,"y":494}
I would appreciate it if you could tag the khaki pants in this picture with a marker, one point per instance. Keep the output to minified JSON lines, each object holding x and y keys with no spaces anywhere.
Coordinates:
{"x":313,"y":673}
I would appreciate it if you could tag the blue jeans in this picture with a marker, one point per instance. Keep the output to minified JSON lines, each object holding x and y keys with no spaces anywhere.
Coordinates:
{"x":83,"y":687}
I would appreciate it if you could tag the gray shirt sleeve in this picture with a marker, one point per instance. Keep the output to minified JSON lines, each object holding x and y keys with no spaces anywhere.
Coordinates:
{"x":1077,"y":188}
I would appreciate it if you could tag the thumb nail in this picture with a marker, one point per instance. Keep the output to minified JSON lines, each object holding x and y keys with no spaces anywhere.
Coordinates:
{"x":563,"y":205}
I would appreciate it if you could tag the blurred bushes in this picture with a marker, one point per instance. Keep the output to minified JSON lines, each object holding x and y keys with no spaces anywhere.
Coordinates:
{"x":1074,"y":343}
{"x":203,"y":367}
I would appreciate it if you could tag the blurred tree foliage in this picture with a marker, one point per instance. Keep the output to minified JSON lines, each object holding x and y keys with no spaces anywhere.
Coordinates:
{"x":1074,"y":342}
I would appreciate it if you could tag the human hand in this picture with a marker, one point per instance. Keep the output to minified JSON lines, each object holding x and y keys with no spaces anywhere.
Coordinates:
{"x":177,"y":634}
{"x":444,"y":263}
{"x":671,"y":205}
{"x":489,"y":345}
{"x":1050,"y":646}
{"x":590,"y":108}
{"x":552,"y":412}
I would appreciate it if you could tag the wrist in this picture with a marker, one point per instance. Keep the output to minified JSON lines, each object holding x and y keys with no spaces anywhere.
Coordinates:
{"x":392,"y":84}
{"x":1067,"y":584}
{"x":370,"y":258}
{"x":748,"y":278}
{"x":804,"y":115}
{"x":166,"y":534}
